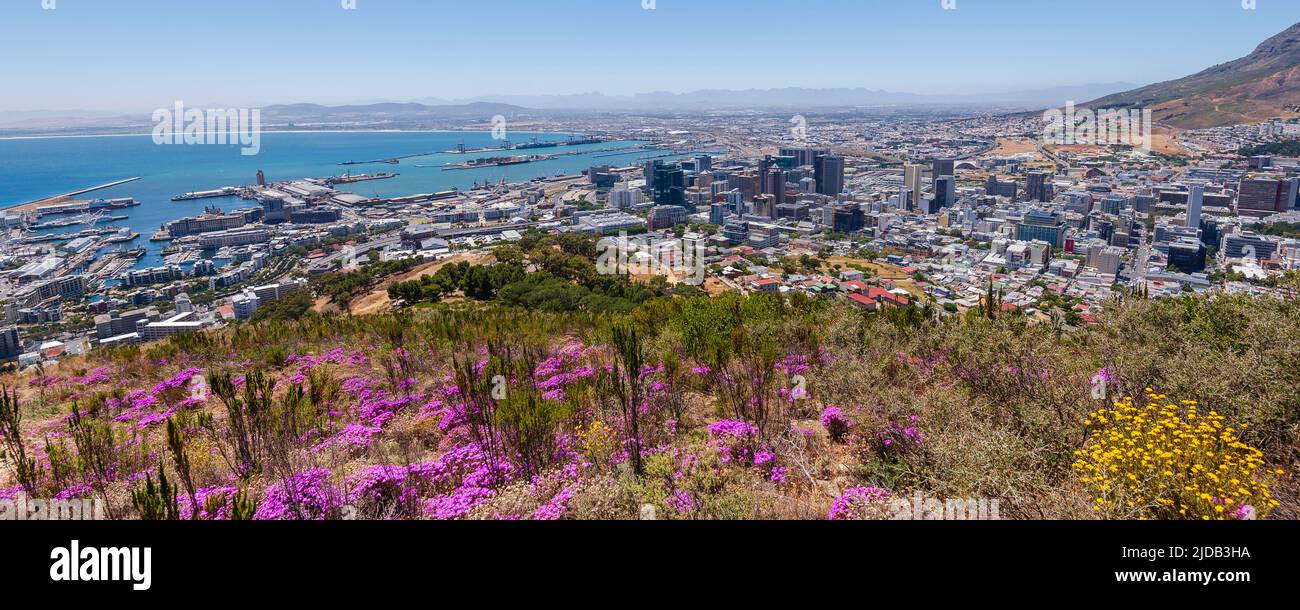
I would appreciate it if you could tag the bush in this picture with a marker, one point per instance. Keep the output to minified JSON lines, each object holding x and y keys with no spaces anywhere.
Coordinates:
{"x":1168,"y":461}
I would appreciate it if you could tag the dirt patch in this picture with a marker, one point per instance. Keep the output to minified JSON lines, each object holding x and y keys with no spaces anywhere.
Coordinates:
{"x":377,"y":301}
{"x":1015,"y":146}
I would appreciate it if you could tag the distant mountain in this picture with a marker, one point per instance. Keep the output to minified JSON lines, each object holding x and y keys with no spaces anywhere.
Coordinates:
{"x":790,"y":97}
{"x":315,"y":113}
{"x":397,"y":114}
{"x":1257,"y":87}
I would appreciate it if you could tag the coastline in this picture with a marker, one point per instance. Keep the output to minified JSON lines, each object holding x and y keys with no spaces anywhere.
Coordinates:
{"x":266,"y":131}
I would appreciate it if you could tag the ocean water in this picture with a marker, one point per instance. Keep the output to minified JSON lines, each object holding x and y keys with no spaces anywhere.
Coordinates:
{"x":32,"y":169}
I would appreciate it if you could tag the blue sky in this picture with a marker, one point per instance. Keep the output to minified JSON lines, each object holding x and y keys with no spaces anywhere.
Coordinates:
{"x":132,"y":54}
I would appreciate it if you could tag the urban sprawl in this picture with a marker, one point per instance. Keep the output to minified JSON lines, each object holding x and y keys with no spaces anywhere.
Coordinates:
{"x":885,"y":210}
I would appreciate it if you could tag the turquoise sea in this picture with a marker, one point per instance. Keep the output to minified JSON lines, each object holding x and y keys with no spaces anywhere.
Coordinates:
{"x":32,"y":169}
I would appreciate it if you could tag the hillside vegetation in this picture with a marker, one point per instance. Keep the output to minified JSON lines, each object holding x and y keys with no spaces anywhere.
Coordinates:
{"x":725,"y":408}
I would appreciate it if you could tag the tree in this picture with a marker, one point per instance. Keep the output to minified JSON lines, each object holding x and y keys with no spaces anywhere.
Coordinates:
{"x":26,"y":470}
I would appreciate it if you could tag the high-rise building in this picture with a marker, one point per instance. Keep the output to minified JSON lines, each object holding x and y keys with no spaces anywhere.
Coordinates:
{"x":848,"y":218}
{"x":764,"y":165}
{"x":1044,"y":226}
{"x":1000,"y":188}
{"x":11,"y":345}
{"x":775,"y":185}
{"x":945,"y":192}
{"x":829,"y":174}
{"x":944,"y":167}
{"x":765,"y":206}
{"x":1262,"y":196}
{"x":718,"y":213}
{"x":803,"y":155}
{"x":914,"y":180}
{"x":1039,"y":187}
{"x":1195,"y":199}
{"x":669,"y":185}
{"x":1187,"y":255}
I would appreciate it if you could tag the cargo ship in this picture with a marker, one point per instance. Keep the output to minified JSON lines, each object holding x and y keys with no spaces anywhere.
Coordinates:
{"x":227,"y":191}
{"x":498,"y":161}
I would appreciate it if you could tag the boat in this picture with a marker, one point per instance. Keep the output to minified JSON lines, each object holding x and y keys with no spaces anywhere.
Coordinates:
{"x":225,"y":191}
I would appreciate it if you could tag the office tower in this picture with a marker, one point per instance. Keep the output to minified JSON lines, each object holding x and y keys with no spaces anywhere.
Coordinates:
{"x":1195,"y":199}
{"x":944,"y":167}
{"x":718,"y":213}
{"x":1187,"y":255}
{"x":1039,"y":187}
{"x":623,"y":197}
{"x":848,"y":218}
{"x":1263,"y":196}
{"x":803,"y":155}
{"x":764,"y":165}
{"x":945,"y":192}
{"x":670,"y":185}
{"x":1043,"y":226}
{"x":914,"y":180}
{"x":648,"y":171}
{"x":703,"y":163}
{"x":765,"y":206}
{"x":776,"y":184}
{"x":829,"y":174}
{"x":11,"y":345}
{"x":1000,"y":188}
{"x":1248,"y":244}
{"x":1113,"y":204}
{"x":602,"y":176}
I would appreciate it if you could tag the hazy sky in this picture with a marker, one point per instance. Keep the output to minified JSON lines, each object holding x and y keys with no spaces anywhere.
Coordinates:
{"x":143,"y":54}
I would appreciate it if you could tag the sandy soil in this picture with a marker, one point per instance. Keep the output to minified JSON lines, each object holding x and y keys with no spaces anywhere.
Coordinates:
{"x":1014,"y":146}
{"x":377,"y":301}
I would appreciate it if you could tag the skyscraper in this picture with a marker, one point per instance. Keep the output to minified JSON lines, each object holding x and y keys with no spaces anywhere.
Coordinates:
{"x":775,"y":185}
{"x":945,"y":192}
{"x":829,"y":174}
{"x":999,"y":188}
{"x":669,"y":185}
{"x":944,"y":167}
{"x":1195,"y":199}
{"x":11,"y":346}
{"x":1039,"y":187}
{"x":914,"y":180}
{"x":803,"y":155}
{"x":1263,"y":196}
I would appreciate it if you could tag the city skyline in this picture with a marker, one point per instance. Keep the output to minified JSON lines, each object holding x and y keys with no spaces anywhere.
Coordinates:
{"x":116,"y":56}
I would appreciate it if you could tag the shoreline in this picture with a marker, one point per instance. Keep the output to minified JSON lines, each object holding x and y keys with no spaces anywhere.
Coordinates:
{"x":266,"y":131}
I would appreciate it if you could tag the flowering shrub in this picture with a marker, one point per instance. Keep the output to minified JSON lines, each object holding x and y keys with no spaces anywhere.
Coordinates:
{"x":309,"y":496}
{"x":736,"y":441}
{"x":858,"y":504}
{"x":1166,"y":460}
{"x":836,"y":424}
{"x":899,"y":438}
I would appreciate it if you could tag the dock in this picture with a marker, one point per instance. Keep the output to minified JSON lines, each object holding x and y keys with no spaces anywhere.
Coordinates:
{"x":228,"y":191}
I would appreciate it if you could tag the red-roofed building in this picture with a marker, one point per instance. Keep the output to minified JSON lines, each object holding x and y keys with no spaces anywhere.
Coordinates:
{"x":875,"y":298}
{"x":768,"y":285}
{"x":854,"y":286}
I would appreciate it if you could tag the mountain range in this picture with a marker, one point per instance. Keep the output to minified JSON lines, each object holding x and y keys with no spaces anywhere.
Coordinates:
{"x":1254,"y":88}
{"x":437,"y":109}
